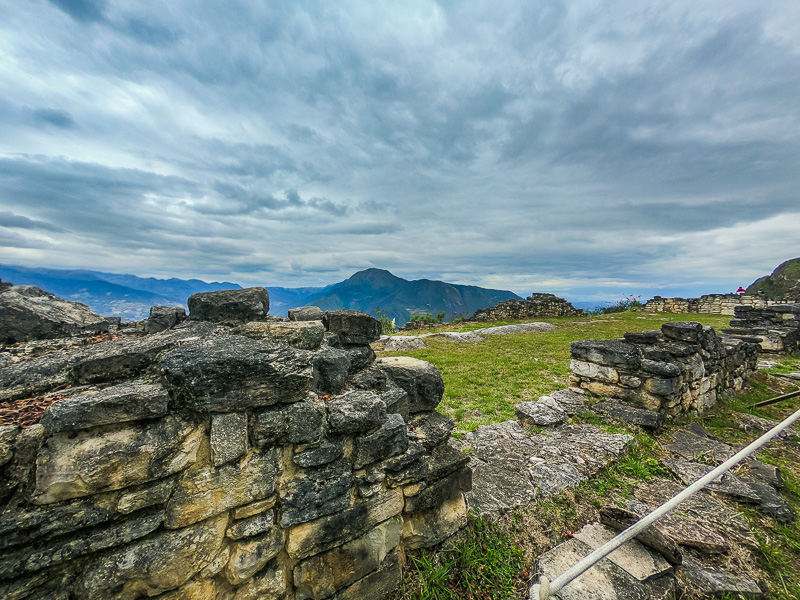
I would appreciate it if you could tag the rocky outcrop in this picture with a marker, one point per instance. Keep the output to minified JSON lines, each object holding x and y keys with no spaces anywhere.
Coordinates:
{"x":226,"y":460}
{"x":28,"y":313}
{"x":680,"y":368}
{"x":535,"y":305}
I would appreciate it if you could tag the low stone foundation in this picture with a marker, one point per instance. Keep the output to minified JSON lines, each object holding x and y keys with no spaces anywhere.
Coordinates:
{"x":683,"y":367}
{"x":535,"y":305}
{"x":774,"y":328}
{"x":712,"y":304}
{"x":237,"y":459}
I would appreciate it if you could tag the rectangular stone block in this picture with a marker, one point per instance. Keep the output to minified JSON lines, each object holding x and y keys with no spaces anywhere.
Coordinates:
{"x":228,"y":437}
{"x":204,"y":491}
{"x":330,"y":531}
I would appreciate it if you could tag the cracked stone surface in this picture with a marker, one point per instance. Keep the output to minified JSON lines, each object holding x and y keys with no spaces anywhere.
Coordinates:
{"x":692,"y":447}
{"x":512,"y":467}
{"x":727,"y":483}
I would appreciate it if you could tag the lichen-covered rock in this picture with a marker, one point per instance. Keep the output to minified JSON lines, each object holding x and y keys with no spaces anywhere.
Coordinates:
{"x":204,"y":491}
{"x":296,"y":423}
{"x":154,"y":565}
{"x":331,"y":368}
{"x":355,"y":412}
{"x":163,"y":317}
{"x":131,"y":401}
{"x":250,"y":555}
{"x":315,"y":493}
{"x":306,"y":335}
{"x":228,"y":437}
{"x":352,"y":327}
{"x":391,"y":439}
{"x":421,"y":381}
{"x":427,"y":528}
{"x":29,"y":313}
{"x":249,"y":304}
{"x":76,"y":464}
{"x":306,"y":313}
{"x":230,"y":373}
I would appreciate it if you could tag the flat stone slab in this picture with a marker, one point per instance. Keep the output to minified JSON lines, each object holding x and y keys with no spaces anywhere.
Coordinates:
{"x":771,"y":502}
{"x":692,"y":447}
{"x":512,"y":329}
{"x":632,"y":415}
{"x":461,"y":337}
{"x":571,"y":400}
{"x":620,"y":519}
{"x":756,"y":424}
{"x":702,"y":508}
{"x":685,"y":532}
{"x":604,"y":581}
{"x":717,"y":582}
{"x":727,"y":483}
{"x":540,"y":413}
{"x":632,"y":557}
{"x":512,"y":467}
{"x":403,"y":343}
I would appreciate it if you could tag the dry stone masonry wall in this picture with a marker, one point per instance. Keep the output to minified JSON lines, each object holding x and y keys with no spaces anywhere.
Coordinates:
{"x":233,"y":456}
{"x":683,"y":367}
{"x":535,"y":305}
{"x":775,"y":328}
{"x":712,"y":304}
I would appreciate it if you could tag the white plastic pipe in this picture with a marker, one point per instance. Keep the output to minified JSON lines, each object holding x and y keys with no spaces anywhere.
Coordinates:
{"x":543,"y":590}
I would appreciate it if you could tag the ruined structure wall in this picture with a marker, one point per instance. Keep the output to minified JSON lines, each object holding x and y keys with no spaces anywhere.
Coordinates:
{"x":712,"y":304}
{"x":683,"y":367}
{"x":223,"y":462}
{"x":535,"y":305}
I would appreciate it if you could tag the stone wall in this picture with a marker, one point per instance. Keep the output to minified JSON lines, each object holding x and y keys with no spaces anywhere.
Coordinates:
{"x":712,"y":304}
{"x":235,"y":456}
{"x":535,"y":305}
{"x":683,"y":367}
{"x":775,"y":328}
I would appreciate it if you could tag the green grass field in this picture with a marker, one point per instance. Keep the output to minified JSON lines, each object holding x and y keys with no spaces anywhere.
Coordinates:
{"x":484,"y":381}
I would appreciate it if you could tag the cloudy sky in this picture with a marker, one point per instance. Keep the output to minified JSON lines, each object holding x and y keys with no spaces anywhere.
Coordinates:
{"x":588,"y":148}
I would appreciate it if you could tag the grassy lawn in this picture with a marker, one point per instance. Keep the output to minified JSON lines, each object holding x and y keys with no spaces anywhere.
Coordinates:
{"x":484,"y":381}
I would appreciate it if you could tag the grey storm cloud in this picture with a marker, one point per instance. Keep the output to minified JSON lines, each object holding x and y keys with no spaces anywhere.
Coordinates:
{"x":558,"y":146}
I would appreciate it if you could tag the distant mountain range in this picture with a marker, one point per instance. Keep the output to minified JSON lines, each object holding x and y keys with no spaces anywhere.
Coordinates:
{"x":131,"y":297}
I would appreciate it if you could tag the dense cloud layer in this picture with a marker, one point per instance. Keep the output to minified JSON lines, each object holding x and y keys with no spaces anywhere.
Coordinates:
{"x":586,"y":148}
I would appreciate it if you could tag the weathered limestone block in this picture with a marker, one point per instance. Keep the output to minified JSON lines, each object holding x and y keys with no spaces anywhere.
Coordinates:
{"x":419,"y":379}
{"x":228,"y":437}
{"x":430,"y":429}
{"x":612,"y":353}
{"x":294,"y":423}
{"x":29,"y":313}
{"x":153,"y":565}
{"x":378,"y":584}
{"x":43,"y":555}
{"x":8,"y":435}
{"x":230,"y":373}
{"x":319,"y":455}
{"x":254,"y":508}
{"x":316,"y":492}
{"x":330,"y":531}
{"x":440,"y":491}
{"x":688,"y":331}
{"x":331,"y":368}
{"x":147,"y":495}
{"x":355,"y":412}
{"x":397,"y":402}
{"x":251,"y":526}
{"x":352,"y":327}
{"x":428,"y":528}
{"x":71,"y":465}
{"x":204,"y":491}
{"x":249,"y":556}
{"x":662,"y":387}
{"x":663,"y":369}
{"x":130,"y":401}
{"x":650,"y":419}
{"x":306,"y":335}
{"x":248,"y":304}
{"x":163,"y":317}
{"x":270,"y":583}
{"x":198,"y":589}
{"x":360,"y":357}
{"x":391,"y":439}
{"x":306,"y":313}
{"x":322,"y":575}
{"x":594,"y":371}
{"x":539,"y":413}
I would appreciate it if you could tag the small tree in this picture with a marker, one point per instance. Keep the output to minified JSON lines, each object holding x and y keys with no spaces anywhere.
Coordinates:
{"x":387,"y":325}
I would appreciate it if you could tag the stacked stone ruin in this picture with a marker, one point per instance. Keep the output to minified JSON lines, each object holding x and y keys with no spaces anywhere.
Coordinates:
{"x":233,"y":456}
{"x":682,"y":367}
{"x":775,"y":328}
{"x":535,"y":305}
{"x":712,"y":304}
